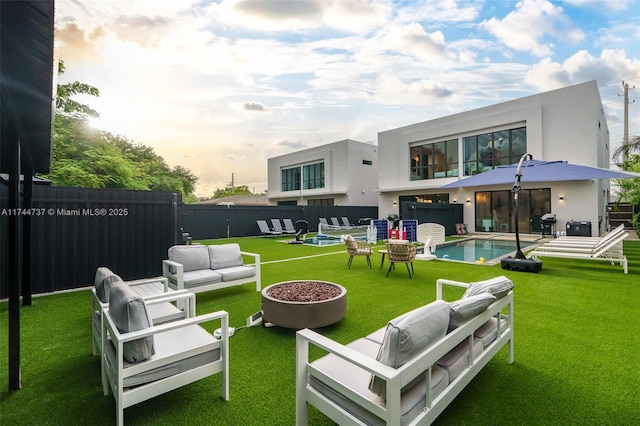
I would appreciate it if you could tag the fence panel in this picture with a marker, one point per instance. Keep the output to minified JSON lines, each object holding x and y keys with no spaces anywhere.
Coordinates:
{"x":76,"y":230}
{"x":210,"y":221}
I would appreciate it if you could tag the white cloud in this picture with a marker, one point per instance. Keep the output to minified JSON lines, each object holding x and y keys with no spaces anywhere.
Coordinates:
{"x":601,"y":5}
{"x":612,"y":65}
{"x":525,"y":28}
{"x":354,"y":16}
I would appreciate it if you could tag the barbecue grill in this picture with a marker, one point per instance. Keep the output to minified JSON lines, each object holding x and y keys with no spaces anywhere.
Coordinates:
{"x":548,"y":224}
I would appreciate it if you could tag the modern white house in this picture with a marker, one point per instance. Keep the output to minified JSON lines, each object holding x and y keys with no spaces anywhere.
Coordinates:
{"x":339,"y":173}
{"x":565,"y":124}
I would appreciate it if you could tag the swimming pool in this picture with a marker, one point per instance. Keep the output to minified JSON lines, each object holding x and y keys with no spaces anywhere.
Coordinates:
{"x":472,"y":250}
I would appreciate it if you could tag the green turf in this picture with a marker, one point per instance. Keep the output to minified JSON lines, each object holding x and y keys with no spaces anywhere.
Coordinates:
{"x":577,"y":349}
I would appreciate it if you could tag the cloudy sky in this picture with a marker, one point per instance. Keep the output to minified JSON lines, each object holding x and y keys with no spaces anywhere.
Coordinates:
{"x":220,"y":86}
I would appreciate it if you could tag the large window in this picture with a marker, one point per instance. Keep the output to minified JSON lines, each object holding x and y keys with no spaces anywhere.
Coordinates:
{"x":434,"y":160}
{"x":313,"y":176}
{"x":487,"y":150}
{"x":291,"y":179}
{"x":310,"y":176}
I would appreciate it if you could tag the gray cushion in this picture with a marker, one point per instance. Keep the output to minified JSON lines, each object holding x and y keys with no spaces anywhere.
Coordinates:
{"x":225,"y":256}
{"x":103,"y":281}
{"x":201,"y":277}
{"x":129,"y":313}
{"x":192,"y":257}
{"x":457,"y":359}
{"x":237,"y":273}
{"x":468,"y":307}
{"x":498,"y":286}
{"x":409,"y":335}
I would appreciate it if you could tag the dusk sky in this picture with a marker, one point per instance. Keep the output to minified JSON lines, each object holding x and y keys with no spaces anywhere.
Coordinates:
{"x":220,"y":86}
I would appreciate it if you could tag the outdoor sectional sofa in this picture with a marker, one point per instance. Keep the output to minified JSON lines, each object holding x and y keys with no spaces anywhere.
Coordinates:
{"x":200,"y":268}
{"x":440,"y":346}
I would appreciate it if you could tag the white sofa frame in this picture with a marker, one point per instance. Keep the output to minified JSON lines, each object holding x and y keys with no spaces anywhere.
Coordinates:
{"x":178,"y":276}
{"x":126,"y":397}
{"x":397,"y":378}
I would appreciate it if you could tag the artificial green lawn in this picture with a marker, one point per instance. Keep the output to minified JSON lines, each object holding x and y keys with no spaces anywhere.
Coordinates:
{"x":577,"y":349}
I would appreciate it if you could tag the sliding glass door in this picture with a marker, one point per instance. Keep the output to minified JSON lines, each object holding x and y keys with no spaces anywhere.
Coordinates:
{"x":495,"y":210}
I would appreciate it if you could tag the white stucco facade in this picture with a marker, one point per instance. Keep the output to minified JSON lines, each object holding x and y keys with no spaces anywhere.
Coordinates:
{"x":566,"y":124}
{"x":350,"y":174}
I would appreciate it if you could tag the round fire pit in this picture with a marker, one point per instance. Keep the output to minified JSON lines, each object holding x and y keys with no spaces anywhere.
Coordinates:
{"x":304,"y":304}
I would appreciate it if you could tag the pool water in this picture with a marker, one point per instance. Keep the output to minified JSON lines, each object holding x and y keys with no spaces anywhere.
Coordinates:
{"x":328,"y":241}
{"x":474,"y":249}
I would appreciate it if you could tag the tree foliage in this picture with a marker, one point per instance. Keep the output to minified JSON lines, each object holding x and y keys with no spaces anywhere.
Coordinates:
{"x":86,"y":157}
{"x":229,"y":190}
{"x":628,"y":157}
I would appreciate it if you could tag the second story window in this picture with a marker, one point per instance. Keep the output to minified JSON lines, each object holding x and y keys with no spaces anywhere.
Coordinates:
{"x":310,"y":176}
{"x":434,"y":160}
{"x":291,"y":179}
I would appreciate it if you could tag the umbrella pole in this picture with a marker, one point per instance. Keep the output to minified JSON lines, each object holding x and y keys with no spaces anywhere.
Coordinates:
{"x":516,"y":190}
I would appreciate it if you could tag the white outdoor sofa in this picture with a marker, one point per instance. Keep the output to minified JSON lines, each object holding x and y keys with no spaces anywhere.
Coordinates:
{"x":381,"y":379}
{"x":141,"y":360}
{"x":200,"y":268}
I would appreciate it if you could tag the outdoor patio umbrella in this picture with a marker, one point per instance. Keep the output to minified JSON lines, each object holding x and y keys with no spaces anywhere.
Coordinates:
{"x":540,"y":171}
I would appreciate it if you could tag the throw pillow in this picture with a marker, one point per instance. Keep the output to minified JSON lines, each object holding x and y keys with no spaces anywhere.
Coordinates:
{"x":103,"y":281}
{"x":129,"y":313}
{"x":225,"y":256}
{"x":193,"y":257}
{"x":498,"y":286}
{"x":408,"y":335}
{"x":466,"y":308}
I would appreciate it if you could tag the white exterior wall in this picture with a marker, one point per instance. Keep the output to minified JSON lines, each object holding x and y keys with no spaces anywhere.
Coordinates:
{"x":565,"y":124}
{"x":347,"y":180}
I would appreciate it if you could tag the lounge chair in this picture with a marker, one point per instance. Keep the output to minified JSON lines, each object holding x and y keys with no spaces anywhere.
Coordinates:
{"x":401,"y":253}
{"x":288,"y":226}
{"x":610,"y":251}
{"x":265,"y":230}
{"x":586,"y":241}
{"x":357,"y":248}
{"x":142,"y":360}
{"x":430,"y":231}
{"x":277,"y":226}
{"x":323,"y":221}
{"x":335,"y":222}
{"x":345,"y":221}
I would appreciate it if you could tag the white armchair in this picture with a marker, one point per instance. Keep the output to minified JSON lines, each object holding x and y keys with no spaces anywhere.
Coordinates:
{"x":157,"y":288}
{"x":141,"y":361}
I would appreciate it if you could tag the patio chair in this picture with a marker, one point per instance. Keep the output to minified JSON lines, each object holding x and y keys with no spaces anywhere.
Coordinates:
{"x":401,"y":253}
{"x":142,"y":360}
{"x":610,"y":251}
{"x":265,"y":230}
{"x":335,"y":222}
{"x":357,"y":248}
{"x":277,"y":226}
{"x":345,"y":221}
{"x":433,"y":231}
{"x":156,"y":290}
